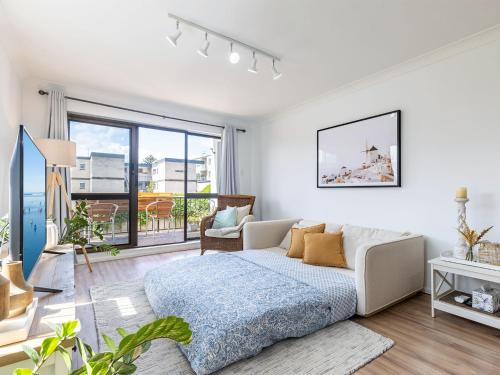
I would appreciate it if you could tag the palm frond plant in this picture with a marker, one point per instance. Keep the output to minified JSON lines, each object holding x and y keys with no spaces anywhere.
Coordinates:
{"x":120,"y":358}
{"x":472,"y":238}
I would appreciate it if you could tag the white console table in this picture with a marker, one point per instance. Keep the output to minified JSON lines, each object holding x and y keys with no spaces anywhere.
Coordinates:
{"x":443,"y":290}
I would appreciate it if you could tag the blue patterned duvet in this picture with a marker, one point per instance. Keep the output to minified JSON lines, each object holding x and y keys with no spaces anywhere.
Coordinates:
{"x":237,"y":304}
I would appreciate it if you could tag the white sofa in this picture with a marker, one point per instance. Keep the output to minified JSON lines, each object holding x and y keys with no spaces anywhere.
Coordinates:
{"x":387,"y":266}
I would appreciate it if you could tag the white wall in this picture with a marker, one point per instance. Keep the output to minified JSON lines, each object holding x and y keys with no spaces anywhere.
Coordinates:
{"x":10,"y":117}
{"x":34,"y":115}
{"x":450,"y":137}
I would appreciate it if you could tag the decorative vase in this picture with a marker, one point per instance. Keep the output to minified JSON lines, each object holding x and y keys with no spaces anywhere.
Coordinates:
{"x":470,"y":254}
{"x":4,"y":250}
{"x":21,"y":293}
{"x":52,"y":235}
{"x":4,"y":297}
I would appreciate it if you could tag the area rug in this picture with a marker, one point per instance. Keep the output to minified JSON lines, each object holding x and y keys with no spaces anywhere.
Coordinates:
{"x":339,"y":349}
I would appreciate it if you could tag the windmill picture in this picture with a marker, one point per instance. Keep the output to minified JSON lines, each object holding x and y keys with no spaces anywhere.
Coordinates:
{"x":377,"y":164}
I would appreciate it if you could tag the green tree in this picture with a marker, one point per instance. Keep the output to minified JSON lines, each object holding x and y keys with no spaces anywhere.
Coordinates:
{"x":149,"y":160}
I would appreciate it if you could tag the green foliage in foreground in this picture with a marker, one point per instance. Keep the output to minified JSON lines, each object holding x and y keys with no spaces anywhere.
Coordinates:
{"x":120,"y":358}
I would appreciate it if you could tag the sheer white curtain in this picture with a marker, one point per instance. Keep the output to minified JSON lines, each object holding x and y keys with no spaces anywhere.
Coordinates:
{"x":58,"y":129}
{"x":228,"y":171}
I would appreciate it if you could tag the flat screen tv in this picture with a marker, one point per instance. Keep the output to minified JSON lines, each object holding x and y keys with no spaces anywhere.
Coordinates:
{"x":27,"y":214}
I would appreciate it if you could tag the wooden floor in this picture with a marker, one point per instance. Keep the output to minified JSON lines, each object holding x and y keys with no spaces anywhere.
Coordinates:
{"x":444,"y":345}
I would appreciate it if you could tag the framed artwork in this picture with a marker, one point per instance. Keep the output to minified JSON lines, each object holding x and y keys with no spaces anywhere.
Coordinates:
{"x":361,"y":153}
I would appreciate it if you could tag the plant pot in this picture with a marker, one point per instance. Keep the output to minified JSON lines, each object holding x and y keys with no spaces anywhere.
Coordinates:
{"x":52,"y":235}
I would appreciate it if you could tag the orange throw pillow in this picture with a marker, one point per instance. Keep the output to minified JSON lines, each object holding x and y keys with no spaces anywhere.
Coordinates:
{"x":296,"y":249}
{"x":324,"y":249}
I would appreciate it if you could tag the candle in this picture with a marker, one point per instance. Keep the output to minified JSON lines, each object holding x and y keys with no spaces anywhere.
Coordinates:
{"x":461,"y":193}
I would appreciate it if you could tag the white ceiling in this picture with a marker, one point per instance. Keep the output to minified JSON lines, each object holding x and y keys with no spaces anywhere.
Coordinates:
{"x":119,"y":45}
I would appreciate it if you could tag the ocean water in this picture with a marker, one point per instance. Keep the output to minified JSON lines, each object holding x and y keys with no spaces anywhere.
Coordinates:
{"x":34,"y":230}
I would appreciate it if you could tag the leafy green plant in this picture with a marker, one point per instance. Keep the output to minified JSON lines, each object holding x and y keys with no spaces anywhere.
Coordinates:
{"x":77,"y":224}
{"x":4,"y":230}
{"x":120,"y":358}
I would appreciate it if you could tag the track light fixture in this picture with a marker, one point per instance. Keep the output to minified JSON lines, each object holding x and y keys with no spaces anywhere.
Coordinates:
{"x":253,"y":65}
{"x":276,"y":74}
{"x":203,"y":51}
{"x":234,"y":57}
{"x":173,"y":38}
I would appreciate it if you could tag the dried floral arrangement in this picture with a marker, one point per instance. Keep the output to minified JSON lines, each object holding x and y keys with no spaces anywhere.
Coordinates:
{"x":472,"y":238}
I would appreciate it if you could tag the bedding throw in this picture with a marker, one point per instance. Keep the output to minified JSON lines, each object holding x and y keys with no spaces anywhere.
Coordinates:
{"x":236,"y":306}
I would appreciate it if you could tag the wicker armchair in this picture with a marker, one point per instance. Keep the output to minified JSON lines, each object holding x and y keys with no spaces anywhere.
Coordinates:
{"x":224,"y":244}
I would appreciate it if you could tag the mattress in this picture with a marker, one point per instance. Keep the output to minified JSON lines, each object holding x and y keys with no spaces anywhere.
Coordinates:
{"x":239,"y":303}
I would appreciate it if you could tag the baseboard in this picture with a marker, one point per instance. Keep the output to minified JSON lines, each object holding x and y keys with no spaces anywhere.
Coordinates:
{"x":139,"y":252}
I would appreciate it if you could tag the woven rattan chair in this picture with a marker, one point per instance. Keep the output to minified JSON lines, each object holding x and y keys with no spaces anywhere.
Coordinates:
{"x":223,"y":244}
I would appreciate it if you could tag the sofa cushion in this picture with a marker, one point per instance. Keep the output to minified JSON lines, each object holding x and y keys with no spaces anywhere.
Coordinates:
{"x":324,"y":249}
{"x":355,"y":236}
{"x":297,"y":246}
{"x":329,"y":228}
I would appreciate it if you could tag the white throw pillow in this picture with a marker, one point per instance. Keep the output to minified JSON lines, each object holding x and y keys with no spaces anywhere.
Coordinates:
{"x":329,"y":228}
{"x":242,"y":212}
{"x":355,"y":236}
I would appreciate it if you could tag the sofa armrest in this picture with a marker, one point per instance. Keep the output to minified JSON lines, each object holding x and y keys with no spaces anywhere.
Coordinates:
{"x":388,"y":272}
{"x":266,"y":234}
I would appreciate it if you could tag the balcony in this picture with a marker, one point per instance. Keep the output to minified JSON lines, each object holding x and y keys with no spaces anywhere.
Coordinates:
{"x":160,"y":218}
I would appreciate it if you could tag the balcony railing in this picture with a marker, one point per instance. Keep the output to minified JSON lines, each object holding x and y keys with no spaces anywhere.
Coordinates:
{"x":166,"y":228}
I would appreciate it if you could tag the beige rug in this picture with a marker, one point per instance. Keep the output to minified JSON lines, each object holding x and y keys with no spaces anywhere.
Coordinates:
{"x":339,"y":349}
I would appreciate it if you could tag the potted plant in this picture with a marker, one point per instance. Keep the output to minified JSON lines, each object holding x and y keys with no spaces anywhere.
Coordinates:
{"x":76,"y":226}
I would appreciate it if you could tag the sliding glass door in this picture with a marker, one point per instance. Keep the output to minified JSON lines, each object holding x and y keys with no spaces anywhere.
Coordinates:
{"x":144,"y":185}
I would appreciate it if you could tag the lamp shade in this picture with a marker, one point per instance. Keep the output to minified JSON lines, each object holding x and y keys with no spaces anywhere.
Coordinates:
{"x":58,"y":153}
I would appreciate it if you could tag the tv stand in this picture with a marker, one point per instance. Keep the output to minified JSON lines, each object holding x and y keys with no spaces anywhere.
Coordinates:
{"x":41,"y":289}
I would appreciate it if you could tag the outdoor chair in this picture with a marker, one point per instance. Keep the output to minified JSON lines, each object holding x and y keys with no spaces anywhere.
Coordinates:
{"x":102,"y":214}
{"x":161,"y":209}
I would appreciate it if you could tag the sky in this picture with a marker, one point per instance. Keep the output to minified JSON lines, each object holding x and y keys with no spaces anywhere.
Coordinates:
{"x":159,"y":143}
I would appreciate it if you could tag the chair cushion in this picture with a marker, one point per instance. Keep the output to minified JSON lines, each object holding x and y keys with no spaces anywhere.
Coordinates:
{"x":324,"y":249}
{"x":296,"y":249}
{"x":241,"y":212}
{"x":223,"y":233}
{"x":355,"y":236}
{"x":225,"y":218}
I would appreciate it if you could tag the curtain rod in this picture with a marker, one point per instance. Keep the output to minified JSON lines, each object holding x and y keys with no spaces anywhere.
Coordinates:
{"x":42,"y":92}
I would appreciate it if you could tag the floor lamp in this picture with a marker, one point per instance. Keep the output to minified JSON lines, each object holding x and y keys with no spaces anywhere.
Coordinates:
{"x":59,"y":154}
